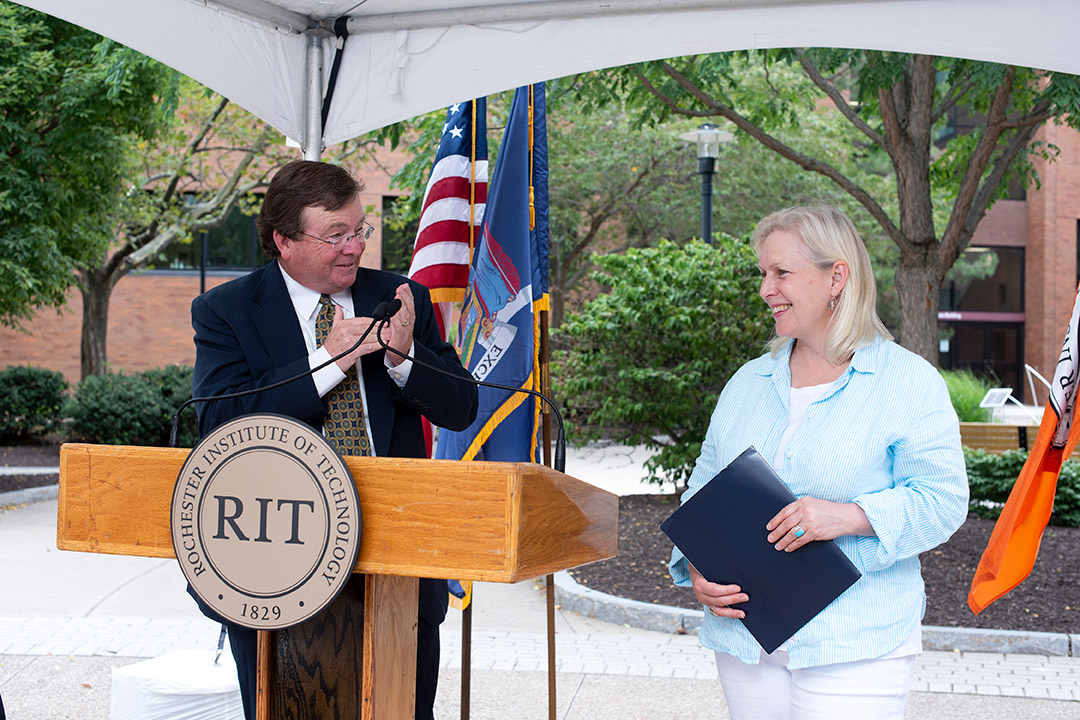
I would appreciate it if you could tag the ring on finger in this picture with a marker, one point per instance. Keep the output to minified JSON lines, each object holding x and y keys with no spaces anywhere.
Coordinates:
{"x":799,"y":532}
{"x":405,"y":323}
{"x":713,"y":611}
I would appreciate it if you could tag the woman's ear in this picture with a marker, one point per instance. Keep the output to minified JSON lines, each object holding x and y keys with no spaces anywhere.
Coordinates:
{"x":839,"y":277}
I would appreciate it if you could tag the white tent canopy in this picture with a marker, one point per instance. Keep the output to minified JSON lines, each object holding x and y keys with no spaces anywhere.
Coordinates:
{"x":406,"y":57}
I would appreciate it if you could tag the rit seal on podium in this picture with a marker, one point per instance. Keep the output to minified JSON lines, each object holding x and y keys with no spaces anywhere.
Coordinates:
{"x":265,"y":521}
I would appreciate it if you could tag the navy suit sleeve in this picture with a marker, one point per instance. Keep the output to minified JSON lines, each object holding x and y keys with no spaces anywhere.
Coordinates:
{"x":229,"y":357}
{"x":446,"y":402}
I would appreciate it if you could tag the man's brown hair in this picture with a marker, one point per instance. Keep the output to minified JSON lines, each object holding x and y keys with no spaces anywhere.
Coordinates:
{"x":301,"y":184}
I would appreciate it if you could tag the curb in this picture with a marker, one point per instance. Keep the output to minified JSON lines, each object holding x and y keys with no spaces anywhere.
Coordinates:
{"x":29,"y":470}
{"x":29,"y":495}
{"x":569,"y":595}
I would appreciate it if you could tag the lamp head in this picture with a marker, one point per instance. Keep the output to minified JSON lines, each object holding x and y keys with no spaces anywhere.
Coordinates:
{"x":708,"y":138}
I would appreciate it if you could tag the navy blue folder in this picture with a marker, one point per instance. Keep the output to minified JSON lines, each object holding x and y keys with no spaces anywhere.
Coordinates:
{"x":721,"y":531}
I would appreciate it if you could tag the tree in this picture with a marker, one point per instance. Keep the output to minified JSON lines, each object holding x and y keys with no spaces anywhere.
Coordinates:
{"x":215,"y":158}
{"x":898,"y":105}
{"x":646,"y":359}
{"x":70,"y":102}
{"x":188,"y":182}
{"x":611,"y":186}
{"x":618,"y":182}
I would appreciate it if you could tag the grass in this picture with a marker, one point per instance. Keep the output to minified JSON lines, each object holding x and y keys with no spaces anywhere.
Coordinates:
{"x":966,"y":389}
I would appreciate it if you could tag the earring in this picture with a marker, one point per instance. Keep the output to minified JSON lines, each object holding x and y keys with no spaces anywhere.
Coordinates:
{"x":832,"y":304}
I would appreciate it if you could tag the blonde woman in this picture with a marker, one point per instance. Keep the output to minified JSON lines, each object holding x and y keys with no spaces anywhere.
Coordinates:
{"x":863,"y":433}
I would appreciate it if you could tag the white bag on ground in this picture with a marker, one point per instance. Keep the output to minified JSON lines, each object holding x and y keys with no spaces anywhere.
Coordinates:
{"x":183,"y":685}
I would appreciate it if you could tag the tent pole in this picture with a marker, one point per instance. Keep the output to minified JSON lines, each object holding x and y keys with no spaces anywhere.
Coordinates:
{"x":313,"y":129}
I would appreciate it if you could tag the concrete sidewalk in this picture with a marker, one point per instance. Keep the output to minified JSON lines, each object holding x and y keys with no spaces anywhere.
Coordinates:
{"x":66,"y":619}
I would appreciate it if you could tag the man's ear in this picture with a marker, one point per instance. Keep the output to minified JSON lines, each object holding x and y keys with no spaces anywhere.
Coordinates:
{"x":839,"y":277}
{"x":284,"y":245}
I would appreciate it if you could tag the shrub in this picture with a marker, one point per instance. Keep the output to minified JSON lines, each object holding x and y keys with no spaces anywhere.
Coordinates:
{"x":966,"y":390}
{"x":991,"y":479}
{"x":645,"y":360}
{"x":30,"y":402}
{"x":173,"y":383}
{"x":136,"y":409}
{"x":115,"y":410}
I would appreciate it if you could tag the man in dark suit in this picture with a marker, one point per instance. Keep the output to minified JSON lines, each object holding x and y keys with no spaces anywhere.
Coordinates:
{"x":260,"y":329}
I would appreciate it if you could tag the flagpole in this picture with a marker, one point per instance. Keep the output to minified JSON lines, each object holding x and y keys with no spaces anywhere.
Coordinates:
{"x":510,"y":265}
{"x":466,"y":612}
{"x":545,"y":387}
{"x":466,"y":660}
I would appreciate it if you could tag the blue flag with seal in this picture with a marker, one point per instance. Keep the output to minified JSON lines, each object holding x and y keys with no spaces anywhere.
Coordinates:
{"x":499,"y":331}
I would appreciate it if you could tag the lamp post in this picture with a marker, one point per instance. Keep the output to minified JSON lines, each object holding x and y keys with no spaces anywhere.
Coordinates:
{"x":708,"y":138}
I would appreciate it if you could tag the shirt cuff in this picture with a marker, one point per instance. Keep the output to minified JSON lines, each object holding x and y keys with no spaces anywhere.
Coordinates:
{"x":328,"y":377}
{"x":878,"y":552}
{"x":679,"y":568}
{"x":400,"y":373}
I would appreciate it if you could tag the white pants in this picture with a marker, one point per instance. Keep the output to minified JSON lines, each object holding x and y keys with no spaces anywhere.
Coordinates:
{"x":862,"y":690}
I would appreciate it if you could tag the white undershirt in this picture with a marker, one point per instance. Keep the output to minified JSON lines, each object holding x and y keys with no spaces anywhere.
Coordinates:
{"x":800,"y":400}
{"x":305,"y":302}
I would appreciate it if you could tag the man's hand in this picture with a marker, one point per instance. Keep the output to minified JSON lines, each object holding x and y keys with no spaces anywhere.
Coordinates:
{"x":344,"y":333}
{"x":401,"y":325}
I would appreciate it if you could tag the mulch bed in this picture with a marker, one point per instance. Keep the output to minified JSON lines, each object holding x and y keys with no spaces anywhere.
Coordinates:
{"x":1048,"y":601}
{"x":28,"y":456}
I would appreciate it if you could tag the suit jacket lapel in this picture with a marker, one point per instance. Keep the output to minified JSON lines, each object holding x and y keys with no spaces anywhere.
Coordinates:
{"x":275,"y":320}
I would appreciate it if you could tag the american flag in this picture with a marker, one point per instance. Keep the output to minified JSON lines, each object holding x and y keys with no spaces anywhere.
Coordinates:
{"x":499,"y":327}
{"x":454,"y":203}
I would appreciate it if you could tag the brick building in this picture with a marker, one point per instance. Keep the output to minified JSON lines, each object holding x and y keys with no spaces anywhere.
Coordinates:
{"x":150,"y":310}
{"x":997,"y":324}
{"x":1018,"y":316}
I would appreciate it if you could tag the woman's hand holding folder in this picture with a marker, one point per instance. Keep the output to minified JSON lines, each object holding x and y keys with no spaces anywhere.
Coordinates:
{"x":818,"y":520}
{"x":718,"y":598}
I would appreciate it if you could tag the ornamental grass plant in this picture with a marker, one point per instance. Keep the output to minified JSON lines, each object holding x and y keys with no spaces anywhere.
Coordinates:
{"x":966,"y":389}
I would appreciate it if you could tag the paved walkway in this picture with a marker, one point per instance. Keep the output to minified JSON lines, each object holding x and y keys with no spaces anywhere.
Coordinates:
{"x":583,"y":646}
{"x":67,"y":619}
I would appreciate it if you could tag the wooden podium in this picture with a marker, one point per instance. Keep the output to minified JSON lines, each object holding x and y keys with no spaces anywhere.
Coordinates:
{"x":487,"y":521}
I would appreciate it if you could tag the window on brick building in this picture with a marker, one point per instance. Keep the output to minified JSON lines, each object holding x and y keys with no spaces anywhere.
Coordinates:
{"x":981,"y":318}
{"x":1000,"y":291}
{"x":959,"y":121}
{"x":993,"y":350}
{"x":232,"y":246}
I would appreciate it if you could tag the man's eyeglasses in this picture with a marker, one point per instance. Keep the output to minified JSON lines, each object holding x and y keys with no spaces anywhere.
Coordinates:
{"x":337,"y":238}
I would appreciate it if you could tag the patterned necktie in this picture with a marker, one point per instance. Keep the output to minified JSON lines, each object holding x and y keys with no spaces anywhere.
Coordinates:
{"x":344,"y":425}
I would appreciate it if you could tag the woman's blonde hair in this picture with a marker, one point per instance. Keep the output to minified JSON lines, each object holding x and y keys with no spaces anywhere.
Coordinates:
{"x":827,"y":236}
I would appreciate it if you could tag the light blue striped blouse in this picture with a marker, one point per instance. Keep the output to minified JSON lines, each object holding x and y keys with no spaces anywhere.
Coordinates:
{"x":885,"y":437}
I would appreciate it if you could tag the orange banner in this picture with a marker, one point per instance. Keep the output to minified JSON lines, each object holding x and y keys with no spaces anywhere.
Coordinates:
{"x":1014,"y":544}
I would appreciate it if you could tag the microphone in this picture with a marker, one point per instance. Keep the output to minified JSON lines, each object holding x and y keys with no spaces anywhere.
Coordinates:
{"x":382,"y":313}
{"x":391,"y":309}
{"x":560,"y":436}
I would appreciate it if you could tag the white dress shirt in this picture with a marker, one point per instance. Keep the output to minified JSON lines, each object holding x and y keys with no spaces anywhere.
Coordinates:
{"x":305,"y":302}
